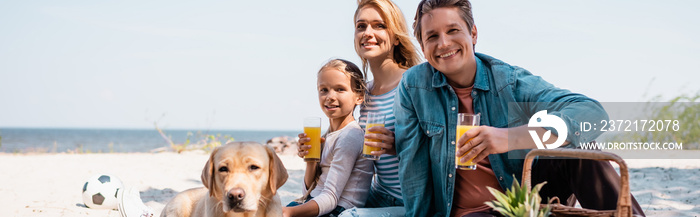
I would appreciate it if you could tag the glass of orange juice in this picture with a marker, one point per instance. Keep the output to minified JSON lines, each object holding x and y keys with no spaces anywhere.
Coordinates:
{"x":312,"y":129}
{"x":465,"y":122}
{"x":373,"y":119}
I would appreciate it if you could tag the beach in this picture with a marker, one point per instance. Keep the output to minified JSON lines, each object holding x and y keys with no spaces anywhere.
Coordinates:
{"x":49,"y":184}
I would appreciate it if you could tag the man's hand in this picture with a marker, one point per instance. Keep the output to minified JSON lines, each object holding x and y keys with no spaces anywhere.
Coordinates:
{"x":481,"y":141}
{"x":486,"y":140}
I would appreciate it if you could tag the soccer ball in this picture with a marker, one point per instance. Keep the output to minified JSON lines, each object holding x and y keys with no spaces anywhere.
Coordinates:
{"x":100,"y":192}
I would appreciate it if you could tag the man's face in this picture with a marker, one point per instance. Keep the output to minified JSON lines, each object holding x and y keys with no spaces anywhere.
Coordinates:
{"x":446,"y":41}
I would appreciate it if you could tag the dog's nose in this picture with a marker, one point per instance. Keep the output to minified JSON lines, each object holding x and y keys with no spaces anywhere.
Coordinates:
{"x":236,"y":194}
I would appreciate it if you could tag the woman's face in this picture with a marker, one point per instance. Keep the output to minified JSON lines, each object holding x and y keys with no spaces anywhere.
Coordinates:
{"x":373,"y":40}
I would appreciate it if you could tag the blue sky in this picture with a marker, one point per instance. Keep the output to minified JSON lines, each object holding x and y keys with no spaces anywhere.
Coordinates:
{"x":252,"y":64}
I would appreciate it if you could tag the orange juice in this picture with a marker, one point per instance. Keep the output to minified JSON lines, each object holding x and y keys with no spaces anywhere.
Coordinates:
{"x":367,"y":150}
{"x":315,"y":152}
{"x":469,"y":165}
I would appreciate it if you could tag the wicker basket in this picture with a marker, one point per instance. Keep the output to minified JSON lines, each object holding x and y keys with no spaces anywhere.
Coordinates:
{"x":624,"y":202}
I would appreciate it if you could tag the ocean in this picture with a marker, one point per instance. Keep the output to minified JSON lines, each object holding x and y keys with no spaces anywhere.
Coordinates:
{"x":22,"y":140}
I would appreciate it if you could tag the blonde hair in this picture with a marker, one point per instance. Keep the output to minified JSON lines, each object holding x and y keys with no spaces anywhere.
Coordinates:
{"x":357,"y":78}
{"x":405,"y":54}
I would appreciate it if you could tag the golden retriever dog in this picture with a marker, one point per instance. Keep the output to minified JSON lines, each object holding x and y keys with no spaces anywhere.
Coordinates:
{"x":240,"y":179}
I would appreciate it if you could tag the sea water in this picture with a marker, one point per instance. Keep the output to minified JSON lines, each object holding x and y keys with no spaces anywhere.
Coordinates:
{"x":21,"y":140}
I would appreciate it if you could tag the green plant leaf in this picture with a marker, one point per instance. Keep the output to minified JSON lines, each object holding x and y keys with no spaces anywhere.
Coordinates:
{"x":518,"y":201}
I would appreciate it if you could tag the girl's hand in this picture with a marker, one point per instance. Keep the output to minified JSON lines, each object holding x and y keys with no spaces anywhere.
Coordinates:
{"x":385,"y":136}
{"x":286,"y":212}
{"x":303,"y":149}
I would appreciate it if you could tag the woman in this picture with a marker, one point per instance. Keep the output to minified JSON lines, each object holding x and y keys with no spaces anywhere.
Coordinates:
{"x":383,"y":43}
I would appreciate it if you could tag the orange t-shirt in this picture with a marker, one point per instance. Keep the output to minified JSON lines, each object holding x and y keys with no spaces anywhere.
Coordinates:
{"x":470,"y":191}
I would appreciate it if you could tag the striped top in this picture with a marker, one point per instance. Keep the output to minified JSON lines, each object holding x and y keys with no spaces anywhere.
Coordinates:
{"x":386,"y":177}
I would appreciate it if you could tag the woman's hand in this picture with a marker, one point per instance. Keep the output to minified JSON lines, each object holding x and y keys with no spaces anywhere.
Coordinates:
{"x":386,"y":138}
{"x":303,"y":149}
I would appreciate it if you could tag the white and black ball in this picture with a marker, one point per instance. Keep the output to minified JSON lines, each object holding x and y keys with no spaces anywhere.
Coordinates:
{"x":100,"y":191}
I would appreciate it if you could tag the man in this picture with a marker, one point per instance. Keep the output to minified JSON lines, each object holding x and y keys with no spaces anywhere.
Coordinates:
{"x":458,"y":80}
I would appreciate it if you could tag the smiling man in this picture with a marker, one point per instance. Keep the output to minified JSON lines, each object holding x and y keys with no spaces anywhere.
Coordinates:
{"x":457,"y":80}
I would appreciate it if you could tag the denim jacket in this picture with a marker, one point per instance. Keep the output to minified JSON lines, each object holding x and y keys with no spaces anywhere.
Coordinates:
{"x":426,"y":112}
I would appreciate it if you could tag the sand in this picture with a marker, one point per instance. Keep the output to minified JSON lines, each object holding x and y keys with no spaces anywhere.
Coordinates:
{"x":50,"y":184}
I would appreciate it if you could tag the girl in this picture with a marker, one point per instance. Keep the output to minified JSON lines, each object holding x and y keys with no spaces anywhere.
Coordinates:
{"x":344,"y":178}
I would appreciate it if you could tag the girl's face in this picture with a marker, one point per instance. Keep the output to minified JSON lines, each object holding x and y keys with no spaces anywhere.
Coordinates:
{"x":372,"y":37}
{"x":336,"y":96}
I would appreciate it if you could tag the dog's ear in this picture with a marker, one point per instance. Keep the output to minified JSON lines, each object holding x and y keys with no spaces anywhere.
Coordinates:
{"x":209,"y":175}
{"x":278,"y":173}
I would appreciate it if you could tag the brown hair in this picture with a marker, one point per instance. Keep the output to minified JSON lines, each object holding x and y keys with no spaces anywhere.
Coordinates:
{"x":405,"y":54}
{"x":426,"y":6}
